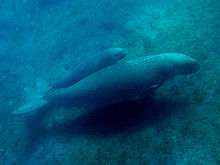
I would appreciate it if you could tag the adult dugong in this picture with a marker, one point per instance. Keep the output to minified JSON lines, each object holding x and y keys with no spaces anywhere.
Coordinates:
{"x":109,"y":57}
{"x":126,"y":80}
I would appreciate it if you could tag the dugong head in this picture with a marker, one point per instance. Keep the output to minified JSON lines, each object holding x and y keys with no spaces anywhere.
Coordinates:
{"x":115,"y":53}
{"x":182,"y":64}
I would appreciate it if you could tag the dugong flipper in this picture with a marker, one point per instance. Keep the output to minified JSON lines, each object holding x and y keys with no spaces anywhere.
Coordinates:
{"x":109,"y":57}
{"x":126,"y":80}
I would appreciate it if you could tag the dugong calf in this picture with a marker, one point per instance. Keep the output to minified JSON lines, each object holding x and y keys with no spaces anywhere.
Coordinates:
{"x":126,"y":80}
{"x":109,"y":57}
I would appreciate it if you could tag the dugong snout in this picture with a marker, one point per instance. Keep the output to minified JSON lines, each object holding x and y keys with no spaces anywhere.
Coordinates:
{"x":182,"y":64}
{"x":189,"y":67}
{"x":116,"y":52}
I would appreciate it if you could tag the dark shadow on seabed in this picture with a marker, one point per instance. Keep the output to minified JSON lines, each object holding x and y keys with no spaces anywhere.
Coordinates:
{"x":115,"y":119}
{"x":126,"y":117}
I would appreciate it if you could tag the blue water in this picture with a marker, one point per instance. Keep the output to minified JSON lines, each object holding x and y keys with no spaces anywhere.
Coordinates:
{"x":46,"y":39}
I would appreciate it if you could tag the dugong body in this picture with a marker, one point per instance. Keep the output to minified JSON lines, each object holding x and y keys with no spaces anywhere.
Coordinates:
{"x":124,"y":81}
{"x":109,"y":57}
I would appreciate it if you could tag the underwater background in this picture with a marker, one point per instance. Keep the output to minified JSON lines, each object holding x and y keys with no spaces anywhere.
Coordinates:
{"x":45,"y":39}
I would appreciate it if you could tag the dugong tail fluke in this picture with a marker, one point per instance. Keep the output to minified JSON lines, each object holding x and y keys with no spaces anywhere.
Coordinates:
{"x":34,"y":97}
{"x":34,"y":105}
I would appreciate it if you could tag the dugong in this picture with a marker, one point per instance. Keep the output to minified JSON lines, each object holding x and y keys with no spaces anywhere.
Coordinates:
{"x":125,"y":80}
{"x":110,"y":56}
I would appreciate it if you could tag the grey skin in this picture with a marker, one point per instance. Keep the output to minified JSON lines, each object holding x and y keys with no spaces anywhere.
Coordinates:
{"x":109,"y":57}
{"x":124,"y":81}
{"x":127,"y":80}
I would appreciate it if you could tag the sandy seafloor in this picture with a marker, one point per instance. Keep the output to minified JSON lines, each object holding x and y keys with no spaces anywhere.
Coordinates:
{"x":45,"y":39}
